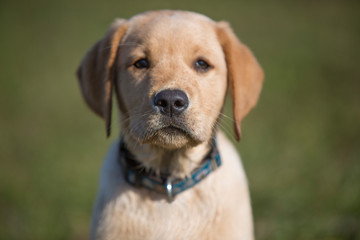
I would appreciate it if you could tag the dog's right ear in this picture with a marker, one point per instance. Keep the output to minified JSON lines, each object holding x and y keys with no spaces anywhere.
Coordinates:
{"x":96,"y":71}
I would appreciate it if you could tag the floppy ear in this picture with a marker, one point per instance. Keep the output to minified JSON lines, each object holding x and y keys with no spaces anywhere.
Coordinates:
{"x":96,"y":72}
{"x":245,"y":75}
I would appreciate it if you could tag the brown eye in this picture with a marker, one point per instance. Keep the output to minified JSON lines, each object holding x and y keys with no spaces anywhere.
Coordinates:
{"x":142,"y":63}
{"x":202,"y":65}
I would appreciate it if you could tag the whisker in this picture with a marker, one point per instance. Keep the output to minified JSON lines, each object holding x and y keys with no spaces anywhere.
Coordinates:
{"x":226,"y":116}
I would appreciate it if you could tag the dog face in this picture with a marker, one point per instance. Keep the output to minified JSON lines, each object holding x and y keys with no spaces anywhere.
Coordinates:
{"x":170,"y":71}
{"x":171,"y":79}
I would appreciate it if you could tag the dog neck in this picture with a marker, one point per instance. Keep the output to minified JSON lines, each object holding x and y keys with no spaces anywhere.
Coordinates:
{"x":177,"y":163}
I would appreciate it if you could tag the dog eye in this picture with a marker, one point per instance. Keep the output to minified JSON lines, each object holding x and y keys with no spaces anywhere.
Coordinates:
{"x":202,"y":65}
{"x":142,"y":63}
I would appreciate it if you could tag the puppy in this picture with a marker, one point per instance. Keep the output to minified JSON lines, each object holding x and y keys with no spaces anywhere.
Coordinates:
{"x":172,"y":174}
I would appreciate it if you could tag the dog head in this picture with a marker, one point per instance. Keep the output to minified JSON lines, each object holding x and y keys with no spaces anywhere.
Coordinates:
{"x":170,"y":71}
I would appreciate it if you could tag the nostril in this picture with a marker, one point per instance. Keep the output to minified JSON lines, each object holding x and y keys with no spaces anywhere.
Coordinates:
{"x":179,"y":103}
{"x":161,"y":103}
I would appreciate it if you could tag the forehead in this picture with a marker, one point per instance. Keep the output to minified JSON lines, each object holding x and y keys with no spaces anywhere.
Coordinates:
{"x":176,"y":30}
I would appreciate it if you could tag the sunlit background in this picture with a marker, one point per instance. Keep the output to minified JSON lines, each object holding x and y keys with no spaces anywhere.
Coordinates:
{"x":300,"y":145}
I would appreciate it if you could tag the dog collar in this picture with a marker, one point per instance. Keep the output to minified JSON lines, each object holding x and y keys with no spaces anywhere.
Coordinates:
{"x":136,"y":175}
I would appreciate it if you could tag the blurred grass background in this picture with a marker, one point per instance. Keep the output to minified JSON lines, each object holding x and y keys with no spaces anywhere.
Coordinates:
{"x":300,"y":146}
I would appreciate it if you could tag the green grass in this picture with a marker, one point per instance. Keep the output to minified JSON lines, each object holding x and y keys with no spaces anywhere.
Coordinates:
{"x":300,"y":146}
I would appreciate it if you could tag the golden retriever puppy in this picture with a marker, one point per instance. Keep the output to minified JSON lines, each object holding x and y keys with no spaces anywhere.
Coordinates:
{"x":171,"y":174}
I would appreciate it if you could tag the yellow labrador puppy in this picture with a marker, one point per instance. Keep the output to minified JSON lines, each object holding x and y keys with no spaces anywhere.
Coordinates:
{"x":171,"y":175}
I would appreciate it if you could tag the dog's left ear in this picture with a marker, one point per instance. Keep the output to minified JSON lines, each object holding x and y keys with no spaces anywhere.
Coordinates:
{"x":245,"y":76}
{"x":96,"y":72}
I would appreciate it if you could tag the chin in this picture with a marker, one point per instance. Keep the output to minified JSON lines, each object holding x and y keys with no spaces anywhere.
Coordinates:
{"x":172,"y":138}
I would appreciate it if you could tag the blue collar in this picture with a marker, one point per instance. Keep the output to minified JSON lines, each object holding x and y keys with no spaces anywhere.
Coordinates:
{"x":136,"y":175}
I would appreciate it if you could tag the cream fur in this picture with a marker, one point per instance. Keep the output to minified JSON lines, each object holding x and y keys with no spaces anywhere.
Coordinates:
{"x":217,"y":208}
{"x":172,"y":41}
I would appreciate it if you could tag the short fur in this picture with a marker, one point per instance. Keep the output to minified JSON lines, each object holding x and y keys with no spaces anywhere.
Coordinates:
{"x":172,"y":41}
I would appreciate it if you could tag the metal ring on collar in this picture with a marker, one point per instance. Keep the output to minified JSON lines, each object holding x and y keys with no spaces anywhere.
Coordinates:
{"x":169,"y":189}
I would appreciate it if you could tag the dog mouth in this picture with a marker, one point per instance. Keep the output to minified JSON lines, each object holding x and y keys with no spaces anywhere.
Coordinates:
{"x":171,"y":136}
{"x":174,"y":130}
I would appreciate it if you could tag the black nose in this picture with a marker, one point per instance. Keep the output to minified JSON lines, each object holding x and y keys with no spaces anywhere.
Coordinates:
{"x":171,"y":102}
